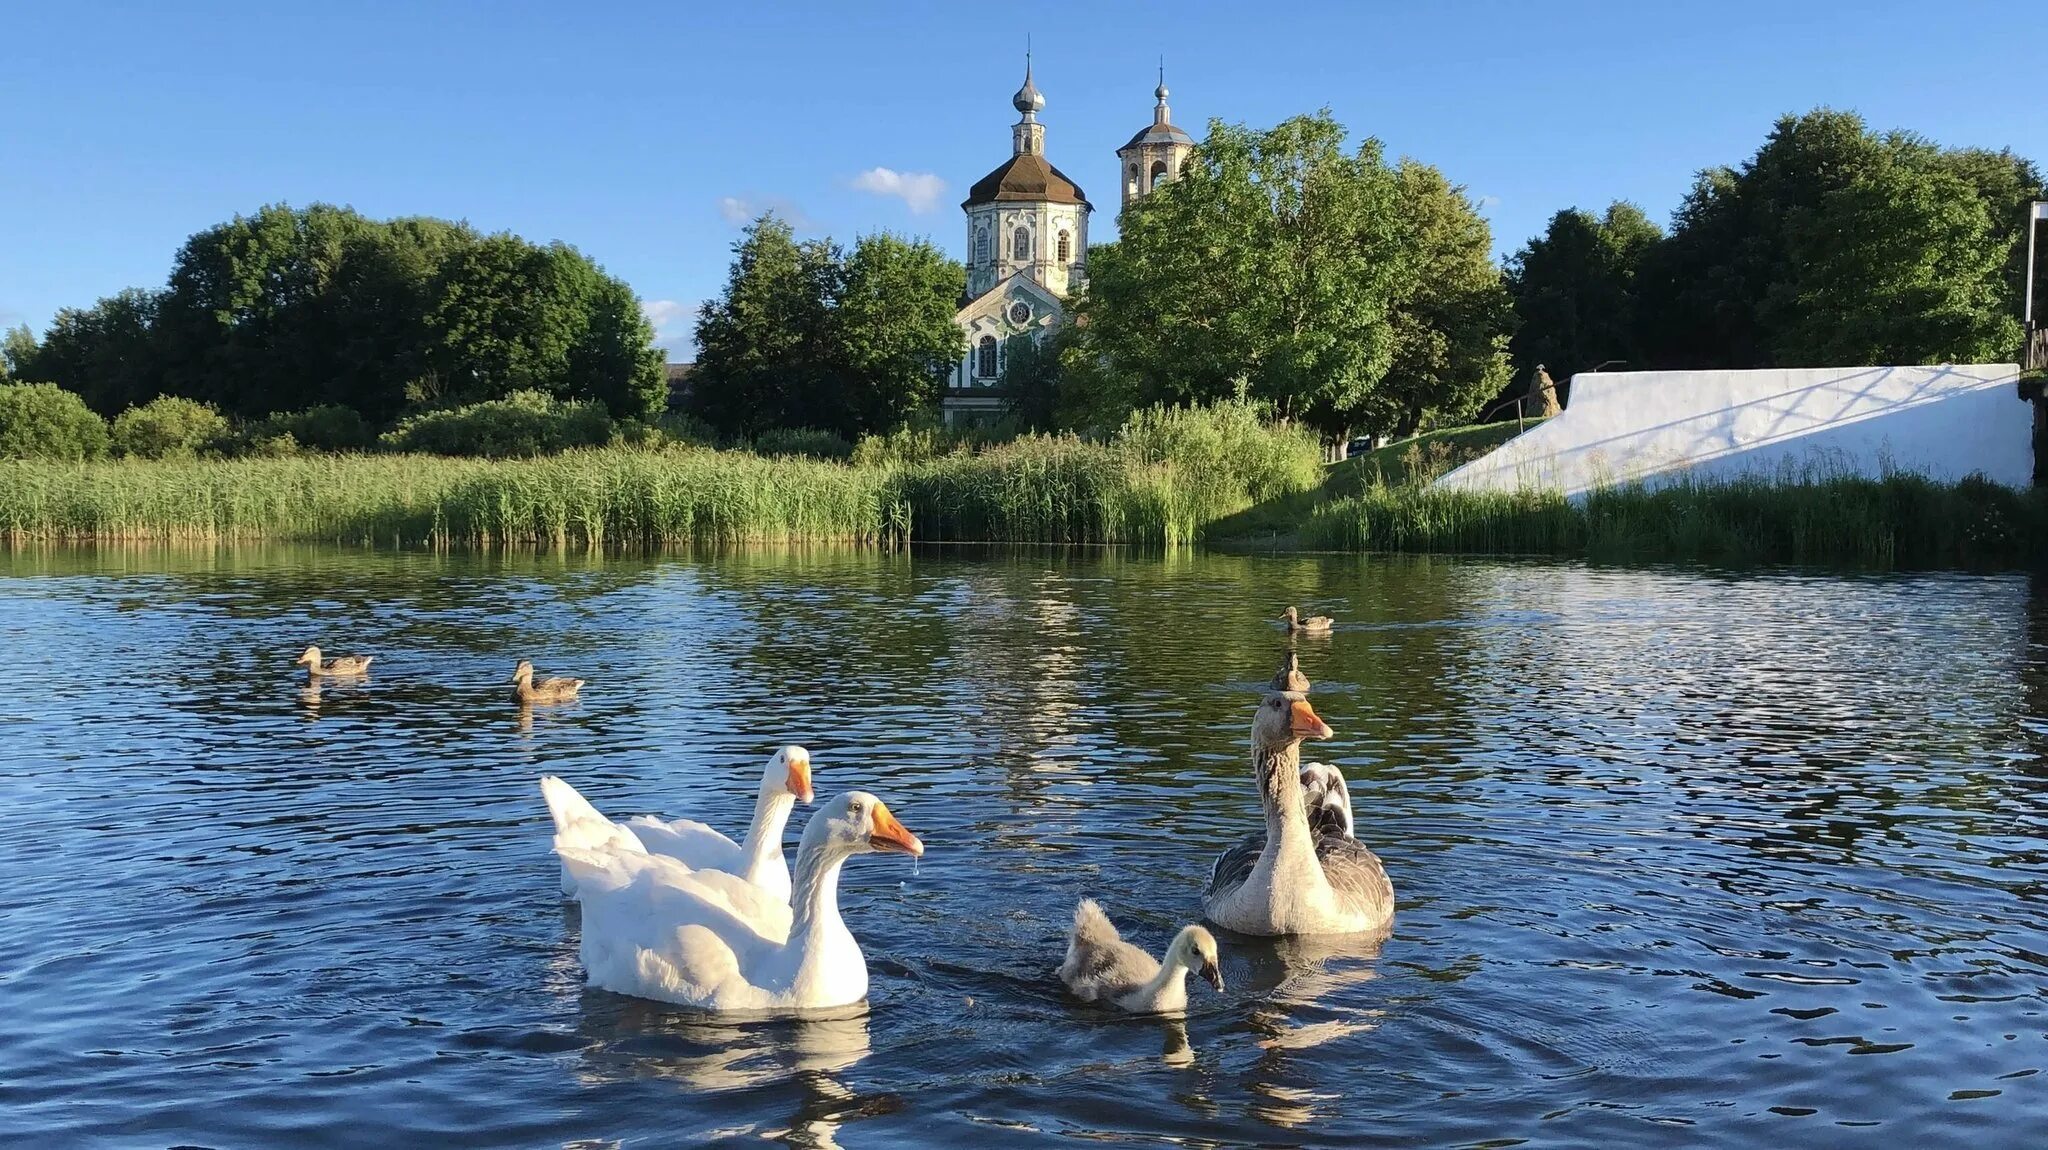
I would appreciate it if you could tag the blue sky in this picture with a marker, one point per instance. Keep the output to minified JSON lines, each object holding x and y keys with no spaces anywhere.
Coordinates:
{"x":642,"y":132}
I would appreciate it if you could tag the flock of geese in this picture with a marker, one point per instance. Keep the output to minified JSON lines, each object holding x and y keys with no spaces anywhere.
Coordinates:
{"x":674,"y":910}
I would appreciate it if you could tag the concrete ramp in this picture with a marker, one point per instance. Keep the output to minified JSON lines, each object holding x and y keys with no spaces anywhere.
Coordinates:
{"x":1654,"y":427}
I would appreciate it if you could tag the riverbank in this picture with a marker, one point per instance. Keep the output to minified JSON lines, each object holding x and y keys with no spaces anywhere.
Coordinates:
{"x":1161,"y":493}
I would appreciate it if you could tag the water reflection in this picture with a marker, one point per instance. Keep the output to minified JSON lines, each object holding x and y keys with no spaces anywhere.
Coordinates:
{"x":631,"y":1038}
{"x":1673,"y":847}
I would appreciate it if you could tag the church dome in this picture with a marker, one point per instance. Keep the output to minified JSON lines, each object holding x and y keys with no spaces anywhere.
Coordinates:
{"x":1028,"y":99}
{"x":1026,"y":178}
{"x":1160,"y":134}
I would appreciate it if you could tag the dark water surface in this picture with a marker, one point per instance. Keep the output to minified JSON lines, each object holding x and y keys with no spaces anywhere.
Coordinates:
{"x":1683,"y":859}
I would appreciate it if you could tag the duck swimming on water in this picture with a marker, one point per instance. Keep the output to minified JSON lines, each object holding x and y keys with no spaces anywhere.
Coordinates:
{"x":337,"y":665}
{"x":556,"y":690}
{"x":1313,"y":625}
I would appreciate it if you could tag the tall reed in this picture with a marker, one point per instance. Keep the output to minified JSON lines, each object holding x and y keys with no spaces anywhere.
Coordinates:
{"x":1896,"y":521}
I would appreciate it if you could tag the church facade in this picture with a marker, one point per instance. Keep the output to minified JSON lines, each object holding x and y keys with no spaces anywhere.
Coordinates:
{"x":1027,"y":246}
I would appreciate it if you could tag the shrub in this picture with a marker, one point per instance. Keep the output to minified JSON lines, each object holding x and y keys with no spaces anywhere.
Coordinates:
{"x":169,"y":426}
{"x":43,"y":421}
{"x":907,"y":444}
{"x":329,"y":427}
{"x":1228,"y":447}
{"x":801,"y":441}
{"x":524,"y":423}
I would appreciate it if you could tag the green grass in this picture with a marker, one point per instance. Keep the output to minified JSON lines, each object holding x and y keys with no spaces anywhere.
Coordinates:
{"x":1161,"y":482}
{"x":1168,"y":479}
{"x":1897,"y":521}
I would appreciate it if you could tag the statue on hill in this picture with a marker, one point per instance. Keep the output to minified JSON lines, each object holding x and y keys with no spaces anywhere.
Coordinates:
{"x":1542,"y":396}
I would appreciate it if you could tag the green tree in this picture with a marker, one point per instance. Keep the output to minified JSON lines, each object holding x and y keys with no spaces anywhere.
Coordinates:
{"x":1834,"y":244}
{"x":17,"y":348}
{"x":892,"y":330}
{"x":107,"y":353}
{"x":243,"y":323}
{"x":1575,"y":292}
{"x":761,"y":343}
{"x":1268,"y":270}
{"x":169,"y":426}
{"x":1031,"y":379}
{"x":806,"y":336}
{"x":616,"y":362}
{"x":293,"y":308}
{"x":1451,"y":312}
{"x":43,"y":421}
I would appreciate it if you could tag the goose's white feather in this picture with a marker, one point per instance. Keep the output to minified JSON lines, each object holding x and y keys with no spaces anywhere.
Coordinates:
{"x":1327,"y":800}
{"x":759,"y":860}
{"x":654,"y":928}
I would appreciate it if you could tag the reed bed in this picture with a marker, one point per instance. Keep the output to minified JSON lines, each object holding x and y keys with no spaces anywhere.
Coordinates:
{"x":1896,"y":521}
{"x":598,"y":498}
{"x":1163,"y":485}
{"x":1167,"y":479}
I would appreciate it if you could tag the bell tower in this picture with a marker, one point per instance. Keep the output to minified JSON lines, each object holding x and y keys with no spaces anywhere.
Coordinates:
{"x":1154,"y":155}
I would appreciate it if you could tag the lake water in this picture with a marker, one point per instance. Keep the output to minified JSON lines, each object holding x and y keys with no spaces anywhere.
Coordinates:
{"x":1683,"y":859}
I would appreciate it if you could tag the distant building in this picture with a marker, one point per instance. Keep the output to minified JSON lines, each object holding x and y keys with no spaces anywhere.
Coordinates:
{"x":678,"y":384}
{"x":1027,"y":245}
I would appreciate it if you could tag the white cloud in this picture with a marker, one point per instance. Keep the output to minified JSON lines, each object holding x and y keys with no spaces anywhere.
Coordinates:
{"x":920,"y":190}
{"x":1487,"y":203}
{"x":742,"y":210}
{"x":675,"y":325}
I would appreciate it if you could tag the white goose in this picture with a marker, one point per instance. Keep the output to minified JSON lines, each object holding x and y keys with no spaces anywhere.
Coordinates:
{"x":655,"y":929}
{"x":758,"y":860}
{"x":1289,"y":879}
{"x":1101,"y":967}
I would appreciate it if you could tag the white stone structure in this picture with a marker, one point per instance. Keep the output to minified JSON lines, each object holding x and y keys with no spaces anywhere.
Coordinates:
{"x":1027,"y":248}
{"x":1658,"y":427}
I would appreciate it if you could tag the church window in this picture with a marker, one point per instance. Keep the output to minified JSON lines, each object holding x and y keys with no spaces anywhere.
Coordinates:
{"x":985,"y":358}
{"x":981,"y":245}
{"x":1066,"y":247}
{"x":1020,"y":244}
{"x":1158,"y":172}
{"x":1132,"y":188}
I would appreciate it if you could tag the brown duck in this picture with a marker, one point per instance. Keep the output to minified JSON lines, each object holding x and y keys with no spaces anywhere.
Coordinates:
{"x":525,"y":690}
{"x":1313,"y":625}
{"x":1289,"y":676}
{"x":338,"y":665}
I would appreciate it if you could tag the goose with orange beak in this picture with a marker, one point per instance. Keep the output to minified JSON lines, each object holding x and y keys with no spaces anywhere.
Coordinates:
{"x":757,"y":859}
{"x":1292,"y":878}
{"x":653,"y":928}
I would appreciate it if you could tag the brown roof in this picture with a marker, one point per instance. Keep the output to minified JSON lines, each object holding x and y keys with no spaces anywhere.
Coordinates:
{"x":1025,"y":177}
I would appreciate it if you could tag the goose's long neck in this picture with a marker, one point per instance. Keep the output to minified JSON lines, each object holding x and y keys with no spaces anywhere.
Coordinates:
{"x":762,"y":848}
{"x":814,"y":898}
{"x":1168,"y":989}
{"x":1289,"y":842}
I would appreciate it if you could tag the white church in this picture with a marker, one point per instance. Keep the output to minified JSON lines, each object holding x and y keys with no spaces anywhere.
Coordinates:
{"x":1027,"y":244}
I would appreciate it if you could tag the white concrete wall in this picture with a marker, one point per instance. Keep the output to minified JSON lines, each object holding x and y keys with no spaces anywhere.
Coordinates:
{"x":1655,"y":427}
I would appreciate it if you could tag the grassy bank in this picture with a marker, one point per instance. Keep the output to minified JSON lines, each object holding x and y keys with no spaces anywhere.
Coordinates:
{"x":1166,"y":480}
{"x":1898,"y":521}
{"x":1161,"y":481}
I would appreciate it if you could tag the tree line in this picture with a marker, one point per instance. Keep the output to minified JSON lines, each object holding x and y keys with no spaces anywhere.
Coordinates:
{"x":1285,"y":267}
{"x":1833,"y":244}
{"x":297,"y":308}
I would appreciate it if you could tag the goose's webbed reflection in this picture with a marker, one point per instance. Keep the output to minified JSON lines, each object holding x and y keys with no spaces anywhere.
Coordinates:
{"x":1293,"y":979}
{"x":633,"y":1038}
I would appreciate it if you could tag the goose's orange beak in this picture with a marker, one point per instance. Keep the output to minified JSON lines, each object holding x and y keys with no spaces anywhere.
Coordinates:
{"x":1306,"y":724}
{"x":890,"y":835}
{"x":799,"y":778}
